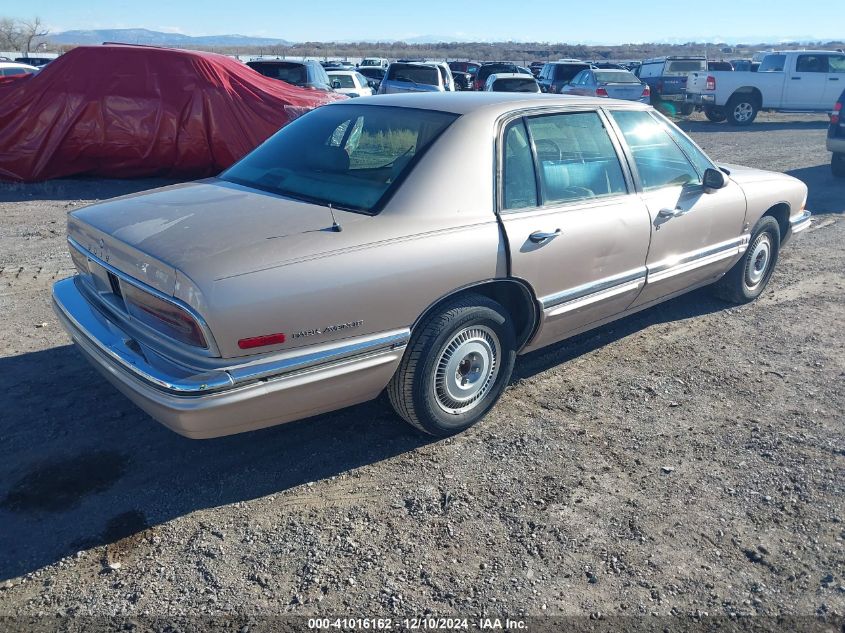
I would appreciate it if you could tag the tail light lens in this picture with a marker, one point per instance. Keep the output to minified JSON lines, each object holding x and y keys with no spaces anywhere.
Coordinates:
{"x":837,"y":112}
{"x":601,"y":92}
{"x":163,"y":316}
{"x":646,"y":91}
{"x":710,"y":83}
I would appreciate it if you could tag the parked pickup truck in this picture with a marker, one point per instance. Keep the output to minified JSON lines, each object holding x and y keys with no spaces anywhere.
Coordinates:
{"x":787,"y":81}
{"x":666,"y":78}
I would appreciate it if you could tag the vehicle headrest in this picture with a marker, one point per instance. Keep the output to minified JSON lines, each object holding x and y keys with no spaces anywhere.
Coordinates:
{"x":327,"y":158}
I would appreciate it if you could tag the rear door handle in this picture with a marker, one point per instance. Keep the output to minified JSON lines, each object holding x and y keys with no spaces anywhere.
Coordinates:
{"x":538,"y":237}
{"x":796,"y":78}
{"x":833,"y":78}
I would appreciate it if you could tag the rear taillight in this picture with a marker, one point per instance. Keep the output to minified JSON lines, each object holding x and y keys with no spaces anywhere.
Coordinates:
{"x":646,"y":91}
{"x":601,"y":92}
{"x":710,"y":83}
{"x":163,"y":316}
{"x":837,"y":112}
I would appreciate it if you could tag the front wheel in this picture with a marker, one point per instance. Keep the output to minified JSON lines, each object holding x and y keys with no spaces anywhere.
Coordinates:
{"x":750,"y":275}
{"x":458,"y":363}
{"x":837,"y":164}
{"x":742,"y":109}
{"x":715,"y":114}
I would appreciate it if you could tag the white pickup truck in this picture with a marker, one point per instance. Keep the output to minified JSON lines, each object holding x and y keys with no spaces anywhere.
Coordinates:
{"x":787,"y":81}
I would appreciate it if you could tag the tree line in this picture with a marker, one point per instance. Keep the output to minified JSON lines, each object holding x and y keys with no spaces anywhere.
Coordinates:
{"x":21,"y":35}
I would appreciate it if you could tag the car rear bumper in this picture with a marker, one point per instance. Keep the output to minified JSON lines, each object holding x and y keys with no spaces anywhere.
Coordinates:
{"x":836,"y":144}
{"x":251,"y":394}
{"x":701,"y":99}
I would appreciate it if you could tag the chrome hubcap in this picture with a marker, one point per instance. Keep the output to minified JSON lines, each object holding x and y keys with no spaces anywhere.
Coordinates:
{"x":743,"y":111}
{"x":758,"y":261}
{"x":466,"y":369}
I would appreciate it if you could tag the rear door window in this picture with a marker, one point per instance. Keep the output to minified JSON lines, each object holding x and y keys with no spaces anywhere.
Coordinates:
{"x":519,"y":184}
{"x":772,"y":63}
{"x":660,"y":162}
{"x":811,"y":64}
{"x":837,"y":63}
{"x":576,"y":159}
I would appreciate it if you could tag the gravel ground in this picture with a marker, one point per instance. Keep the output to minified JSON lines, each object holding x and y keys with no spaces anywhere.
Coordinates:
{"x":688,"y":460}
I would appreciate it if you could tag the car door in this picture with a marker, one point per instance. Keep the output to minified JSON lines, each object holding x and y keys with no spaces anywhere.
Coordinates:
{"x":576,"y":231}
{"x":696,"y":236}
{"x":835,"y":80}
{"x":807,"y":83}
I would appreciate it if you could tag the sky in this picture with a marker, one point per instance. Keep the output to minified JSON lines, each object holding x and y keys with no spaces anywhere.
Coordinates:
{"x":601,"y":22}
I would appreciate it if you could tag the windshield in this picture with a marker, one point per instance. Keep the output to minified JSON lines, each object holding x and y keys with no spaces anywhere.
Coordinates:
{"x":686,"y":66}
{"x":292,"y":73}
{"x":490,"y":69}
{"x":616,"y":77}
{"x":772,"y":63}
{"x":372,"y":73}
{"x":349,"y":156}
{"x":414,"y":73}
{"x":516,"y":85}
{"x":344,"y":79}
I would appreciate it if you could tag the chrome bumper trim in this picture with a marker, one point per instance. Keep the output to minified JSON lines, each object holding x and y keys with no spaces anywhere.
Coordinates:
{"x":115,"y":351}
{"x":800,"y":222}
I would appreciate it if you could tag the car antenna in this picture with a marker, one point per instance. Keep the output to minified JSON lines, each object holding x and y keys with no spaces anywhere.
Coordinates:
{"x":337,"y":228}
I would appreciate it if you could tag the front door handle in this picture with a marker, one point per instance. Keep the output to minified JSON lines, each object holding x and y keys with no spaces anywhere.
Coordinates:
{"x":538,"y":237}
{"x":671,"y":213}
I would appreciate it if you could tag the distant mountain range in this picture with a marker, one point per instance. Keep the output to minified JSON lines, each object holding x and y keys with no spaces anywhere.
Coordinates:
{"x":159,"y":38}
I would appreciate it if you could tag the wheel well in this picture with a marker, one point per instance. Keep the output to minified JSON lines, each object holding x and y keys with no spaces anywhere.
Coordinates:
{"x":515,"y":296}
{"x":756,"y":95}
{"x":780,"y":212}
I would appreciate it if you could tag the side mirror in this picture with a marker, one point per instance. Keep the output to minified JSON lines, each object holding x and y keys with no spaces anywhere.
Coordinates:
{"x":371,"y":83}
{"x":713,"y":180}
{"x":335,"y":84}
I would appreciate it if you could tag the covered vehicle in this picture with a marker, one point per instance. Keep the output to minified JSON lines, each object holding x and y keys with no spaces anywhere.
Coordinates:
{"x":124,"y":111}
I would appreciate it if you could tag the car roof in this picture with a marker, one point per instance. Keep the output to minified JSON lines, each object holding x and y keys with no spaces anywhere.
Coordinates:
{"x":493,"y":103}
{"x":337,"y":71}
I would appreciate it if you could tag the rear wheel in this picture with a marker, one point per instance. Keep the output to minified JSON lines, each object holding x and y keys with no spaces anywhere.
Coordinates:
{"x":715,"y":114}
{"x":837,"y":164}
{"x":742,"y":109}
{"x":457,"y":365}
{"x":750,"y":275}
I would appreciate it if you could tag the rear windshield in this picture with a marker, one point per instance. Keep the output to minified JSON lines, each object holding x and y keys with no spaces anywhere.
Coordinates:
{"x":345,"y":80}
{"x":616,"y":77}
{"x":372,"y":73}
{"x":515,"y":85}
{"x":292,"y":73}
{"x":685,"y":65}
{"x":414,"y":73}
{"x":349,"y":156}
{"x":772,"y":63}
{"x":491,"y":69}
{"x":566,"y":72}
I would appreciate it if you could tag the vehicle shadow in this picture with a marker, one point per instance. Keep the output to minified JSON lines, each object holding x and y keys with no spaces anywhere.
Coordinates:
{"x":690,"y":305}
{"x":757,"y":126}
{"x":826,"y":193}
{"x":77,"y":188}
{"x":81,"y":466}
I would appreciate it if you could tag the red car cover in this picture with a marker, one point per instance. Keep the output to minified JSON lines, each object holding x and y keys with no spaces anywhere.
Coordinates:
{"x":123,"y":111}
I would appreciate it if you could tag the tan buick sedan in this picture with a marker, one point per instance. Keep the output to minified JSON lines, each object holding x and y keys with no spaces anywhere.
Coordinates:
{"x":413,"y":243}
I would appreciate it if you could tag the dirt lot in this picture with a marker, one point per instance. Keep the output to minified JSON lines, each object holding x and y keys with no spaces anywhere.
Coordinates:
{"x":688,"y":460}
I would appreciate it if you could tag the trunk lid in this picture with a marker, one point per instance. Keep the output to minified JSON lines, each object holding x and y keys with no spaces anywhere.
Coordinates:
{"x":207,"y":230}
{"x":626,"y":91}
